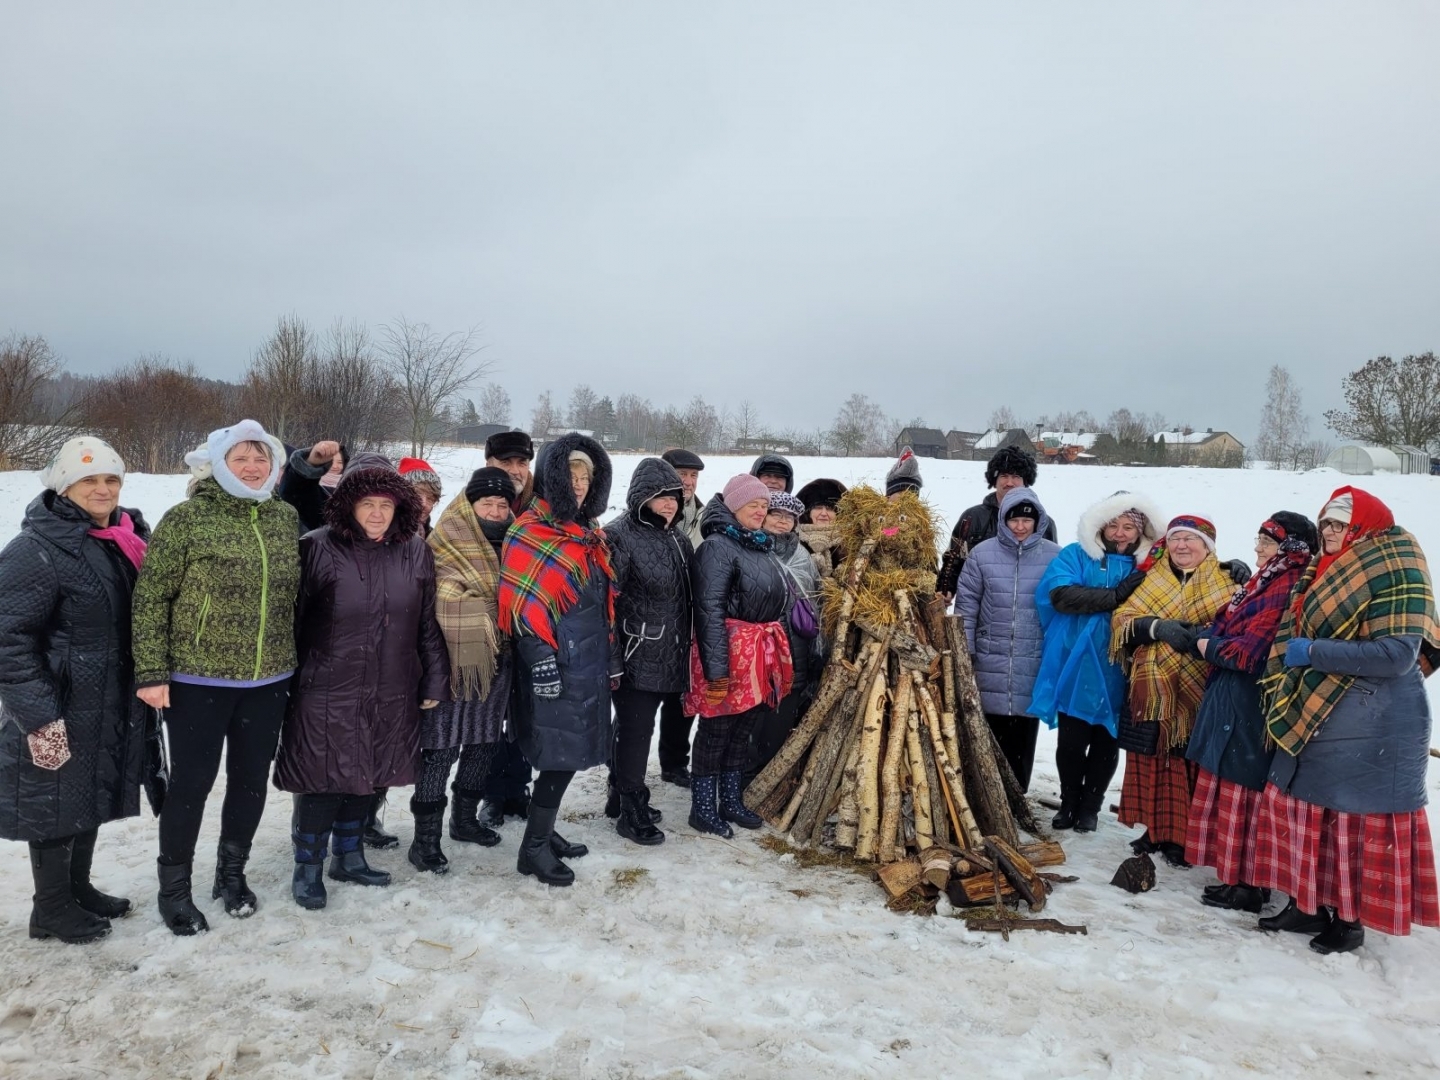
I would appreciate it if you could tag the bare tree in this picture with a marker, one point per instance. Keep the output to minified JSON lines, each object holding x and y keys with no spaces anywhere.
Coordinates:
{"x":1284,"y":427}
{"x":494,"y":405}
{"x":274,"y":386}
{"x":31,"y":430}
{"x":430,"y":369}
{"x":155,"y":410}
{"x":582,"y":407}
{"x":1389,"y":402}
{"x":746,"y":420}
{"x":1004,"y":419}
{"x":860,"y":425}
{"x":636,"y":422}
{"x":544,"y":416}
{"x":351,"y":397}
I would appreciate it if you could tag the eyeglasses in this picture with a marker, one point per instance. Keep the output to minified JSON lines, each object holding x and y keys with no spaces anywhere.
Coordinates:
{"x":1334,"y":526}
{"x":1264,"y":540}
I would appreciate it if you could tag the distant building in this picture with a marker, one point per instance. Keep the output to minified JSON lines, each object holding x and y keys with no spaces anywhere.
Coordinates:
{"x":958,"y":444}
{"x":1211,"y":448}
{"x":476,"y":434}
{"x":1365,"y":459}
{"x":925,"y":441}
{"x":992,"y":440}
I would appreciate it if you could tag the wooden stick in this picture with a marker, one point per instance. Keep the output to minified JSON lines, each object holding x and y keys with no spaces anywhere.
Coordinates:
{"x":988,"y":792}
{"x":869,"y":770}
{"x":921,"y":793}
{"x":838,"y":678}
{"x":1018,"y":872}
{"x":939,"y":816}
{"x":890,"y":776}
{"x":847,"y":816}
{"x":965,"y":825}
{"x":847,"y":604}
{"x":1004,"y":926}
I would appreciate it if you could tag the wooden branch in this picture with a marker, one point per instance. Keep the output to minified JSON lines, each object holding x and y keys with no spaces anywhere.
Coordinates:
{"x":1004,"y":926}
{"x":923,"y":794}
{"x":1014,"y":796}
{"x":838,"y":678}
{"x":890,"y":775}
{"x":898,"y":878}
{"x":869,"y":770}
{"x":1018,"y":872}
{"x":965,"y":824}
{"x":847,"y":604}
{"x":907,"y":649}
{"x":1043,"y":853}
{"x":847,"y":816}
{"x":825,"y":763}
{"x":977,"y":763}
{"x":935,"y":864}
{"x":939,"y":811}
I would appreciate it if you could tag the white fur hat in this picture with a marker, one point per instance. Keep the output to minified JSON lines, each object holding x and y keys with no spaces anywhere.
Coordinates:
{"x":209,"y":459}
{"x":79,"y":458}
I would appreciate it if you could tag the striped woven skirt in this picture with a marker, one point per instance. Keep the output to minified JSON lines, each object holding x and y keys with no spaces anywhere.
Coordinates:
{"x":1224,"y":828}
{"x":1156,"y":793}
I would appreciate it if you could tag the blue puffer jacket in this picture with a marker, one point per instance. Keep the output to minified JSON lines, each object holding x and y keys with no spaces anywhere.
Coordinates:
{"x":1076,"y":676}
{"x":996,"y":599}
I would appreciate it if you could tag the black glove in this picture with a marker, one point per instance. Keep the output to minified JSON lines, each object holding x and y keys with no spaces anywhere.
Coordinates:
{"x":1180,"y":636}
{"x":1238,"y":571}
{"x":1128,"y":584}
{"x":545,"y":678}
{"x":1140,"y":629}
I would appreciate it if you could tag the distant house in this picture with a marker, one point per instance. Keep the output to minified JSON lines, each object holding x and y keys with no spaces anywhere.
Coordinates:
{"x":994,"y":439}
{"x":476,"y":434}
{"x":764,"y":444}
{"x":1215,"y":449}
{"x":1066,"y":447}
{"x":925,"y":441}
{"x":958,"y":444}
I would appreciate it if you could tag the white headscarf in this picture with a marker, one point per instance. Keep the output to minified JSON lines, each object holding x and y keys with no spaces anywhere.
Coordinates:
{"x":209,"y":459}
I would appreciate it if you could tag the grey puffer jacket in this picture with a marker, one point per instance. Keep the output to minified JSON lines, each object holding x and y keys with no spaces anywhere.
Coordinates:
{"x":1371,"y":754}
{"x":996,"y":599}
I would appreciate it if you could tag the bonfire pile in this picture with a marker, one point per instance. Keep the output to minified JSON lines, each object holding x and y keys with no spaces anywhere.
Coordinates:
{"x":894,"y":761}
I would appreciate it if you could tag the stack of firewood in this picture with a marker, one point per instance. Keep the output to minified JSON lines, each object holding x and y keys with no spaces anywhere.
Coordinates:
{"x":894,"y":761}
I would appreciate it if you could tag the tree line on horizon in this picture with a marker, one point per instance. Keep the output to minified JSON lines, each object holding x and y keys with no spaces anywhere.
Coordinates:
{"x":411,"y":384}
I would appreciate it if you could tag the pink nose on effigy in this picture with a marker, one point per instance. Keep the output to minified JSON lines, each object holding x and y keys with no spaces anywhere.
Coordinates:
{"x":890,"y":532}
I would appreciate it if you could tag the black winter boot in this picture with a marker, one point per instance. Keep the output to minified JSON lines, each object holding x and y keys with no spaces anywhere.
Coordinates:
{"x":375,"y":835}
{"x":347,"y":857}
{"x":465,"y":826}
{"x":230,"y":883}
{"x":613,"y":803}
{"x":307,"y":885}
{"x":732,"y":803}
{"x":492,"y":813}
{"x":1339,"y":936}
{"x":55,"y":912}
{"x":1235,"y":898}
{"x":563,"y":849}
{"x":612,"y":799}
{"x":634,"y":823}
{"x":642,"y":794}
{"x":82,"y":853}
{"x":537,"y":855}
{"x":704,"y":811}
{"x":679,"y":777}
{"x":1087,"y":814}
{"x":425,"y":853}
{"x":1069,"y":808}
{"x":177,"y":905}
{"x":517,"y":806}
{"x":1294,"y":920}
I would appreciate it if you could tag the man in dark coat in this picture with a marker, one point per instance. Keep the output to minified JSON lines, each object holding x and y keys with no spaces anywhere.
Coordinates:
{"x":675,"y":726}
{"x":1009,"y":467}
{"x":774,"y":471}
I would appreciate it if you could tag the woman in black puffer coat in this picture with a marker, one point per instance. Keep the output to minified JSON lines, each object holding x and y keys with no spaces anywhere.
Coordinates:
{"x":651,"y":559}
{"x":72,"y":733}
{"x":741,"y":663}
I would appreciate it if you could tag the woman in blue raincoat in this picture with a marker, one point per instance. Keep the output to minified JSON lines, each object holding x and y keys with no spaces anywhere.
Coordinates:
{"x":1078,"y":689}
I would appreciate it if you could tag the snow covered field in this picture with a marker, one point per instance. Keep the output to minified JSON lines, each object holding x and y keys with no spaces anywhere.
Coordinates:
{"x":722,"y":959}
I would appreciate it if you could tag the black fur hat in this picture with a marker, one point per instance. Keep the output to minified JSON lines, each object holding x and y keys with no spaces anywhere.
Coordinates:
{"x":505,"y":444}
{"x":552,"y":478}
{"x":822,"y":492}
{"x":1013,"y":460}
{"x":1296,"y":525}
{"x":372,"y":474}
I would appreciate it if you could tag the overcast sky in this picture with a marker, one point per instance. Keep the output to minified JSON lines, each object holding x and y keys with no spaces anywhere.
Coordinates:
{"x":947,"y":206}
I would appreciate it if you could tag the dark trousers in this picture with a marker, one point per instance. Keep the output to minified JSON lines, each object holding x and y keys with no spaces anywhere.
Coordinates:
{"x":318,"y":814}
{"x":674,"y":734}
{"x":202,"y":721}
{"x":550,"y":788}
{"x":634,"y":727}
{"x":508,"y":774}
{"x":723,"y":743}
{"x":1085,"y":756}
{"x":1016,"y":736}
{"x":772,"y":728}
{"x":435,"y":766}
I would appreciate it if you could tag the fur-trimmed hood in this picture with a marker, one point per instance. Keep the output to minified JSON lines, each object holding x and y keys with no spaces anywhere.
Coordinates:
{"x":552,"y":479}
{"x":1095,"y":518}
{"x":372,"y":474}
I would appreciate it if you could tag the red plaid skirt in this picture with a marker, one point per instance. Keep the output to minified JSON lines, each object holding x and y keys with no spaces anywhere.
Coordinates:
{"x":1156,"y":794}
{"x":1224,"y":827}
{"x":1377,"y":869}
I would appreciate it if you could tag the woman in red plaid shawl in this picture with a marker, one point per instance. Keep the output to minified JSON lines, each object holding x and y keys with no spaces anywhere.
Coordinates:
{"x":1342,"y":825}
{"x":1228,"y":743}
{"x":557,"y":604}
{"x":1185,"y":587}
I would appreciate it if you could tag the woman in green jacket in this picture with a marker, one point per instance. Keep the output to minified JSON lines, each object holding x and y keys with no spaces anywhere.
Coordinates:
{"x":214,"y":644}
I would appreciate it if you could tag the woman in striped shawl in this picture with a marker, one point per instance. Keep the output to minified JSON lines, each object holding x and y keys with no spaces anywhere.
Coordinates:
{"x":1185,"y":587}
{"x":468,"y":728}
{"x":1228,"y":744}
{"x":1342,"y":827}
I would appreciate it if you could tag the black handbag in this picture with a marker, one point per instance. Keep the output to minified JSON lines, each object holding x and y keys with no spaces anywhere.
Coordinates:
{"x":1138,"y":737}
{"x":156,"y":776}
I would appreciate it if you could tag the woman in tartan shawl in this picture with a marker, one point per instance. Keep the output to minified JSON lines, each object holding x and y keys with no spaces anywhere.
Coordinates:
{"x":1228,"y":744}
{"x":1342,"y":827}
{"x":1154,"y":630}
{"x":557,"y":604}
{"x":468,"y":728}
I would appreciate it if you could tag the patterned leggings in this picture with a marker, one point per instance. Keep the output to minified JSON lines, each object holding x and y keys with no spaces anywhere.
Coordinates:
{"x":435,"y":768}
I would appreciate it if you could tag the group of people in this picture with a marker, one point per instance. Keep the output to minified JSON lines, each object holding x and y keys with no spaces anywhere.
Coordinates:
{"x":298,"y":612}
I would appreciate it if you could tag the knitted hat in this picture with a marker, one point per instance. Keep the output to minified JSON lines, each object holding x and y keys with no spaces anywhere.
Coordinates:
{"x":1024,"y":509}
{"x":1341,"y":508}
{"x":1012,"y":460}
{"x":743,"y":489}
{"x":584,"y":459}
{"x":79,"y":458}
{"x":678,"y":458}
{"x":905,"y":473}
{"x":489,"y":481}
{"x":419,"y":473}
{"x":1287,"y":526}
{"x":1194,"y":523}
{"x":786,"y":503}
{"x":506,"y":444}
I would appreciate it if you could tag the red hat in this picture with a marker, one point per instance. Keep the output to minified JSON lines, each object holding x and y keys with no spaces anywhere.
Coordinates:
{"x":418,"y":471}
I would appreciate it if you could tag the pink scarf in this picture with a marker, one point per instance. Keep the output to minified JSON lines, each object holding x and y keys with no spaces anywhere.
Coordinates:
{"x":125,"y":538}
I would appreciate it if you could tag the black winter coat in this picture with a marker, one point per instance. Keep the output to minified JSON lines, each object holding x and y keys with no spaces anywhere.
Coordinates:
{"x":735,"y":575}
{"x":976,"y":525}
{"x":651,"y":560}
{"x":300,"y":487}
{"x":65,"y":653}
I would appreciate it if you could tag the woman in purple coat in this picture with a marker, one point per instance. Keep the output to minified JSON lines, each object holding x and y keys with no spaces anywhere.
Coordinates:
{"x":371,"y":657}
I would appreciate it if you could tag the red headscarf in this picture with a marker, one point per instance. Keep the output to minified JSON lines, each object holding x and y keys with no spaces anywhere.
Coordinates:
{"x":1368,"y":516}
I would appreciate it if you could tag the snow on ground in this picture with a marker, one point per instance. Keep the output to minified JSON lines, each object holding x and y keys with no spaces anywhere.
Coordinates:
{"x":723,"y":959}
